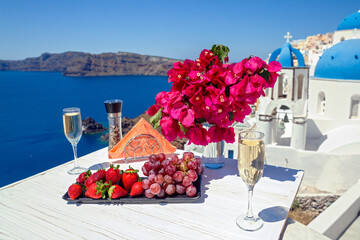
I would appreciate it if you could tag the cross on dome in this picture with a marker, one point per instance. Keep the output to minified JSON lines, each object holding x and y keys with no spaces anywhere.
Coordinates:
{"x":288,"y":36}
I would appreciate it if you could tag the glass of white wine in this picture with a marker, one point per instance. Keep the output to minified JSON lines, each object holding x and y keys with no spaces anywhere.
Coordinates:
{"x":73,"y":132}
{"x":251,"y":166}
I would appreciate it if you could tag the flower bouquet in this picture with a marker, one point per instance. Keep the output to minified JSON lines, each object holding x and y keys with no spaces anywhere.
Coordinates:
{"x":211,"y":90}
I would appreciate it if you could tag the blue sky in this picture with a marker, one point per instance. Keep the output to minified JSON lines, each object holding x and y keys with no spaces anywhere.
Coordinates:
{"x":177,"y":29}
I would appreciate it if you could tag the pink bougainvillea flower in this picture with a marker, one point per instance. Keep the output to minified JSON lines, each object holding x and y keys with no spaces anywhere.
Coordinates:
{"x":207,"y":90}
{"x":230,"y":79}
{"x":274,"y":66}
{"x":197,"y":99}
{"x":153,"y":109}
{"x":215,"y":134}
{"x":187,"y":117}
{"x":229,"y":135}
{"x":190,"y":90}
{"x":197,"y":135}
{"x":169,"y":128}
{"x":239,"y":68}
{"x":177,"y":110}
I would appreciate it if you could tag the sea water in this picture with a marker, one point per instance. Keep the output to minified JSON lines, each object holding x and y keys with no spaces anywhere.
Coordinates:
{"x":31,"y":130}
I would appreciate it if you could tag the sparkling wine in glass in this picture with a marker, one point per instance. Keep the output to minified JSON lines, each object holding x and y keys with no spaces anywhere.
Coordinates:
{"x":73,"y":132}
{"x":251,"y":166}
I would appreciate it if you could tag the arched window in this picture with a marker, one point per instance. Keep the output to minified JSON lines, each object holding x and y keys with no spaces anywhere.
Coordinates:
{"x":355,"y":106}
{"x":300,"y":82}
{"x":342,"y":39}
{"x":321,"y":102}
{"x":283,"y":86}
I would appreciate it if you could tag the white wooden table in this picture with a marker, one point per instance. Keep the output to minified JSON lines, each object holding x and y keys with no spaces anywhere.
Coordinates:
{"x":33,"y":208}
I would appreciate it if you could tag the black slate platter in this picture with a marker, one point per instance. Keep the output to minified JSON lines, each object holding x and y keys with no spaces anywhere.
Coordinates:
{"x":175,"y":198}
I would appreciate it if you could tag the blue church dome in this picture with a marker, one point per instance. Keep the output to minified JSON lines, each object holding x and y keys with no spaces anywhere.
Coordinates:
{"x":350,"y":22}
{"x":342,"y":61}
{"x":285,"y":54}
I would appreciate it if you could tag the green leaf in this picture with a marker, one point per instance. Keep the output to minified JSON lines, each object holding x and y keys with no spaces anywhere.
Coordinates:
{"x":155,"y":120}
{"x":231,"y":116}
{"x":265,"y":74}
{"x":221,"y":51}
{"x":183,"y":129}
{"x":156,"y":125}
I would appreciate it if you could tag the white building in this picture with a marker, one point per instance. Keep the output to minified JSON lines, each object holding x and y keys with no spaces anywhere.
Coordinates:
{"x":349,"y":28}
{"x":334,"y":100}
{"x":290,"y":93}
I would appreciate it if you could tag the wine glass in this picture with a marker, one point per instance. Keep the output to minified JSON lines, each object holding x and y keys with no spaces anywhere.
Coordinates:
{"x":251,"y":167}
{"x":73,"y":132}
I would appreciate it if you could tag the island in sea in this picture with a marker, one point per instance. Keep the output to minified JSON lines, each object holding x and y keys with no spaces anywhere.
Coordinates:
{"x":78,"y":64}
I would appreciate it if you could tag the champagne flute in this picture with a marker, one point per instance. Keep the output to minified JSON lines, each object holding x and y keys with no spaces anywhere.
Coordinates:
{"x":251,"y":167}
{"x":73,"y":132}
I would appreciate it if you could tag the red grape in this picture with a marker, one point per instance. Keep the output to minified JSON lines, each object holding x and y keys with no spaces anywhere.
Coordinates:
{"x":146,"y":183}
{"x":159,"y":179}
{"x":161,"y":171}
{"x":180,"y":189}
{"x":152,"y":178}
{"x":170,"y":189}
{"x":197,"y":160}
{"x":148,"y":193}
{"x":152,"y":172}
{"x":174,"y":159}
{"x":165,"y":163}
{"x":178,"y":176}
{"x":192,"y":165}
{"x":199,"y":169}
{"x":192,"y":175}
{"x":168,"y":179}
{"x":183,"y":166}
{"x":170,"y":170}
{"x":188,"y":155}
{"x":153,"y":158}
{"x":148,"y":165}
{"x":161,"y":157}
{"x":155,"y":188}
{"x":145,"y":172}
{"x":191,"y":191}
{"x":156,"y":166}
{"x":186,"y":181}
{"x":161,"y":193}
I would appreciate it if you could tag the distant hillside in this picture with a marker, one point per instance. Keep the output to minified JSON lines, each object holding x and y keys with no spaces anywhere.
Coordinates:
{"x":86,"y":64}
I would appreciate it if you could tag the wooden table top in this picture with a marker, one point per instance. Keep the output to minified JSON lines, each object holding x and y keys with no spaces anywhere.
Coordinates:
{"x":33,"y":208}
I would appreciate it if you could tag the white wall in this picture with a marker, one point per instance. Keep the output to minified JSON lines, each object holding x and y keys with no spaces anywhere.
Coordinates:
{"x":337,"y":105}
{"x":347,"y":34}
{"x":334,"y":173}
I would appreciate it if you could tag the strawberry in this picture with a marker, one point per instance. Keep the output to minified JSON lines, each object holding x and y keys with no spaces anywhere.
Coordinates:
{"x":74,"y":191}
{"x":97,"y":190}
{"x":99,"y":175}
{"x":89,"y":181}
{"x":115,"y":191}
{"x":83,"y":176}
{"x":113,"y":174}
{"x":129,"y":177}
{"x":92,"y":192}
{"x":136,"y":189}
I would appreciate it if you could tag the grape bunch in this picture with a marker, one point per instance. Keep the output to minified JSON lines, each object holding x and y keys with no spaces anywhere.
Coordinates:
{"x":167,"y":176}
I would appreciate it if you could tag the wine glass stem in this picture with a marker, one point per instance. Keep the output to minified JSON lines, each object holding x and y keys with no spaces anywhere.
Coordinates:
{"x":74,"y":146}
{"x":249,"y":214}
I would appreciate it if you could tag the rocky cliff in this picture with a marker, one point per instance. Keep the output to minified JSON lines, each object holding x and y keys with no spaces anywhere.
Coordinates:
{"x":86,"y":64}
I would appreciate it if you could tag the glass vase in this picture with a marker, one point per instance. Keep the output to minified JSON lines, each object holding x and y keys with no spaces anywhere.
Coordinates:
{"x":213,"y":157}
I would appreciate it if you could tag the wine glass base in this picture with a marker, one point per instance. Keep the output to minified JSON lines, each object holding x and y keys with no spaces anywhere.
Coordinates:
{"x":77,"y":170}
{"x":249,"y":224}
